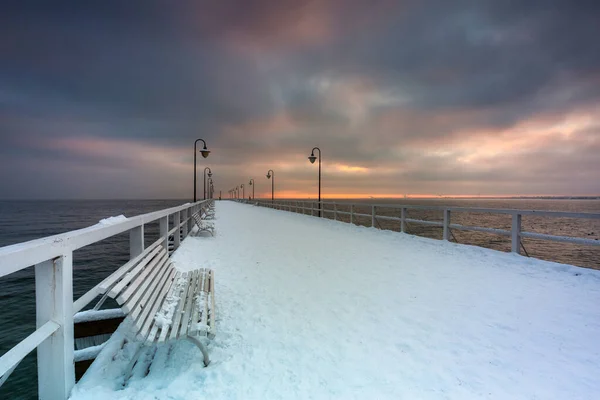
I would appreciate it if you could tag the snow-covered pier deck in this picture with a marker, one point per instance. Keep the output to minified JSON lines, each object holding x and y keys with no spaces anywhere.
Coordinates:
{"x":315,"y":308}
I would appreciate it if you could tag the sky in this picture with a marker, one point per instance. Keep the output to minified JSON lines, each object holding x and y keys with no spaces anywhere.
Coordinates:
{"x":104,"y":99}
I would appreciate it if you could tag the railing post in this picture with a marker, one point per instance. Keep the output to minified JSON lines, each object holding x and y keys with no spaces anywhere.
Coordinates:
{"x":190,"y":222}
{"x":516,"y":234}
{"x":373,"y":217}
{"x":177,"y":234}
{"x":403,"y":220}
{"x":136,"y":241}
{"x":163,"y":230}
{"x":351,"y":213}
{"x":312,"y":209}
{"x":335,"y":211}
{"x":54,"y":301}
{"x":446,"y":233}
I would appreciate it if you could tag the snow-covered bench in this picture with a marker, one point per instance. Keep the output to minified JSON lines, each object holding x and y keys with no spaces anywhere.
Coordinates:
{"x":164,"y":304}
{"x":203,"y":226}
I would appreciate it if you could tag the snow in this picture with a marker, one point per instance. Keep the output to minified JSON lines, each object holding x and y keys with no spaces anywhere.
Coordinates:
{"x":316,"y":309}
{"x":89,"y":353}
{"x":112,"y":220}
{"x":96,"y":315}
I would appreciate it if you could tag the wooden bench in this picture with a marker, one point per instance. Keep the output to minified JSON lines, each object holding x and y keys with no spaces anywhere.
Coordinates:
{"x":164,"y":304}
{"x":203,"y":226}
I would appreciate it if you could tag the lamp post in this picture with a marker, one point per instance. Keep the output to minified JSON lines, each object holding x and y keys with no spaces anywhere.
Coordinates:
{"x":204,"y":153}
{"x":312,"y":160}
{"x":271,"y":173}
{"x":243,"y":191}
{"x":209,"y":175}
{"x":251,"y":183}
{"x":210,"y":187}
{"x":237,"y":192}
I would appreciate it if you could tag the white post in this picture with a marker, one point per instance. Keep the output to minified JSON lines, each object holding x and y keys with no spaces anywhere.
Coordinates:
{"x":190,"y":223}
{"x":136,"y":241}
{"x":177,"y":235}
{"x":163,"y":231}
{"x":312,"y":209}
{"x":54,"y":301}
{"x":403,"y":220}
{"x":373,"y":217}
{"x":184,"y":226}
{"x":516,"y":234}
{"x":446,"y":224}
{"x":351,"y":213}
{"x":335,"y":211}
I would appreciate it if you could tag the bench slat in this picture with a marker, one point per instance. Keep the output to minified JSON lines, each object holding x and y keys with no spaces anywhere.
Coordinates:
{"x":173,"y":291}
{"x":180,"y":307}
{"x":150,"y":285}
{"x":140,"y":313}
{"x":133,"y":287}
{"x":195,"y":308}
{"x":211,"y":316}
{"x":118,"y":274}
{"x":188,"y":304}
{"x":150,"y":321}
{"x":131,"y":275}
{"x":133,"y":301}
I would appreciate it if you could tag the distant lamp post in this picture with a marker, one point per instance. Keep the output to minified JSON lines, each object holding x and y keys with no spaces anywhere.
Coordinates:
{"x":251,"y":183}
{"x":204,"y":153}
{"x":237,"y":192}
{"x":312,"y":158}
{"x":271,"y":173}
{"x":243,"y":191}
{"x":210,"y":188}
{"x":209,"y":175}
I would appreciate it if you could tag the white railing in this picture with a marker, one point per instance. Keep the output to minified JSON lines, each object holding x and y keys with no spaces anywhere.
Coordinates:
{"x":52,"y":258}
{"x":515,"y":234}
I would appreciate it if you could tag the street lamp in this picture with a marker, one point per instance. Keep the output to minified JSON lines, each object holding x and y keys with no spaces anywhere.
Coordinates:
{"x":209,"y":175}
{"x":204,"y":153}
{"x":251,"y":183}
{"x":237,"y":192}
{"x":312,"y":158}
{"x":271,"y":173}
{"x":243,"y":191}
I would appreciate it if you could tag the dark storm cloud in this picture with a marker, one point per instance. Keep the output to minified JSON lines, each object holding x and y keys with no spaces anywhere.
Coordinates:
{"x":378,"y":84}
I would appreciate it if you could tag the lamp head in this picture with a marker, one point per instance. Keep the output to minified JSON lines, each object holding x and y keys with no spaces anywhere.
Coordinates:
{"x":204,"y":151}
{"x":312,"y":158}
{"x":250,"y":183}
{"x":268,"y":175}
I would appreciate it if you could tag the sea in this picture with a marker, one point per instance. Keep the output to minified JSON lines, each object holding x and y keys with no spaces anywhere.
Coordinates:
{"x":21,"y":221}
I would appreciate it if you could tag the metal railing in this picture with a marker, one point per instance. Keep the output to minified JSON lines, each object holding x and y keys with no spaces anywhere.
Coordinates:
{"x":515,"y":234}
{"x":52,"y":258}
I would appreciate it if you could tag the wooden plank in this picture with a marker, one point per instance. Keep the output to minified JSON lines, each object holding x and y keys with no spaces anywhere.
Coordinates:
{"x":133,"y":302}
{"x":185,"y":320}
{"x":115,"y":276}
{"x":133,"y":286}
{"x":212,"y":314}
{"x":196,"y":306}
{"x":131,"y":275}
{"x":142,"y":307}
{"x":180,"y":307}
{"x":150,"y":322}
{"x":175,"y":290}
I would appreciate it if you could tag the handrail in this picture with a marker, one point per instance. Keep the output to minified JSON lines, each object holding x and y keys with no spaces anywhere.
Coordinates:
{"x":53,"y":260}
{"x":516,"y":233}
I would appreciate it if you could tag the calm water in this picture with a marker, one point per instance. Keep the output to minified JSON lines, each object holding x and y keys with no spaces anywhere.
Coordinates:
{"x":22,"y":221}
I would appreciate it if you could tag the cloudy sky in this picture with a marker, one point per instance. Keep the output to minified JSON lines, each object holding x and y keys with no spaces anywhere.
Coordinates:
{"x":420,"y":97}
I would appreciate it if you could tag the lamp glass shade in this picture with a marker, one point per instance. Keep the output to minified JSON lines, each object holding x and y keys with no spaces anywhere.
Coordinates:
{"x":204,"y":152}
{"x":250,"y":183}
{"x":312,"y":158}
{"x":209,"y":174}
{"x":268,"y":176}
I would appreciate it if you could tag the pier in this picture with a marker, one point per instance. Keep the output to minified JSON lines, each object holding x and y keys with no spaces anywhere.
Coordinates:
{"x":310,"y":307}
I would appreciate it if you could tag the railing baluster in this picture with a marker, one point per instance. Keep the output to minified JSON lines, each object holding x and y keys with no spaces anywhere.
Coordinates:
{"x":516,"y":234}
{"x":177,"y":235}
{"x":335,"y":211}
{"x":373,"y":216}
{"x":446,"y":228}
{"x":351,"y":213}
{"x":136,"y":241}
{"x":163,"y":229}
{"x":54,"y":301}
{"x":403,"y":219}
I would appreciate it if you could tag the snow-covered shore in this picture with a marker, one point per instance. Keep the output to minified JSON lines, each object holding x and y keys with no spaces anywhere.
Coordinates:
{"x":317,"y":309}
